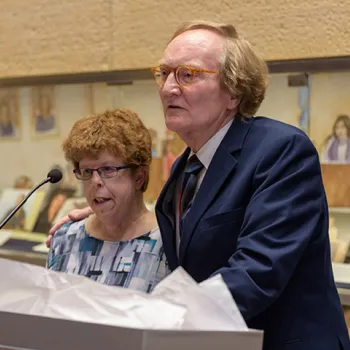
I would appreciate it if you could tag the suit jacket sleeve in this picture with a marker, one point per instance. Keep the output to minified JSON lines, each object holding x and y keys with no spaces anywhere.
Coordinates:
{"x":280,"y":219}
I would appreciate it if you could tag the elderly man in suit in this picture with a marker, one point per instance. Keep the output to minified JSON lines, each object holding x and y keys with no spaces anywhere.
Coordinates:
{"x":245,"y":199}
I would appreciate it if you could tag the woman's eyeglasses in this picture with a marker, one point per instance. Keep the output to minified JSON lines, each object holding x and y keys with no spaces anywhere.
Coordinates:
{"x":105,"y":172}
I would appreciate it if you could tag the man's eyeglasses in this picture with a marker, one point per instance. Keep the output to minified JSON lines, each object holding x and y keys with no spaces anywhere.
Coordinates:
{"x":183,"y":74}
{"x":105,"y":172}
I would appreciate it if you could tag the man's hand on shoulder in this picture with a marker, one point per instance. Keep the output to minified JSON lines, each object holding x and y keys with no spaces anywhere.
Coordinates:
{"x":74,"y":215}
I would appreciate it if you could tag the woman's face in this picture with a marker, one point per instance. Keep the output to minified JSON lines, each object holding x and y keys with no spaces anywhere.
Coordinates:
{"x":340,"y":130}
{"x":111,"y":196}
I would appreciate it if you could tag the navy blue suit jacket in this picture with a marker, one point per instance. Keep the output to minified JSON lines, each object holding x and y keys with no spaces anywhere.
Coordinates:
{"x":260,"y":219}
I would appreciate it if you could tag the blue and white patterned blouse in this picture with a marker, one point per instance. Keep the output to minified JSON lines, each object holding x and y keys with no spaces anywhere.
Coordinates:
{"x":139,"y":263}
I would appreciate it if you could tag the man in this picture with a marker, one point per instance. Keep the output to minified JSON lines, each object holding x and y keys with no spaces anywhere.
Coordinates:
{"x":246,"y":199}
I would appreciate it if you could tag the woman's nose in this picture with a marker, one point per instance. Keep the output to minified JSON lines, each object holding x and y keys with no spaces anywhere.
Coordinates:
{"x":96,"y":178}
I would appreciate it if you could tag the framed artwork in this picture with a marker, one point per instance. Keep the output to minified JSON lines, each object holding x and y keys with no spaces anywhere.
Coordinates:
{"x":330,"y":132}
{"x":89,"y":99}
{"x":70,"y":181}
{"x":69,"y":205}
{"x":330,"y":112}
{"x":10,"y":121}
{"x":23,"y":182}
{"x":154,"y":138}
{"x":25,"y":217}
{"x":44,"y":118}
{"x":173,"y":147}
{"x":335,"y":148}
{"x":337,"y":186}
{"x":155,"y":183}
{"x":53,"y":204}
{"x":304,"y":105}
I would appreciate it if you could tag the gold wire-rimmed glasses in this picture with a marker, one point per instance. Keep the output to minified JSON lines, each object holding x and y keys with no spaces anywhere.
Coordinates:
{"x":183,"y":74}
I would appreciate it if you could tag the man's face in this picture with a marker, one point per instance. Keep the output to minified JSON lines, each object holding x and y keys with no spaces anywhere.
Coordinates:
{"x":202,"y":104}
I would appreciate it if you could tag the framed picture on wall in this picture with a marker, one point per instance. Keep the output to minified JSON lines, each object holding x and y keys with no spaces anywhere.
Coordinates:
{"x":330,"y":131}
{"x":26,"y":216}
{"x":335,"y":148}
{"x":56,"y":198}
{"x":44,"y":119}
{"x":89,"y":99}
{"x":69,"y":205}
{"x":172,"y":146}
{"x":10,"y":121}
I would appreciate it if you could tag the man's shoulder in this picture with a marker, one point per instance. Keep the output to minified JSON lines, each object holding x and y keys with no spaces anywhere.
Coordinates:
{"x":271,"y":131}
{"x":271,"y":126}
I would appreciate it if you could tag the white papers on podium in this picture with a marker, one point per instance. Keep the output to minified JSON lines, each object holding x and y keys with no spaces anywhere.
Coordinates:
{"x":177,"y":303}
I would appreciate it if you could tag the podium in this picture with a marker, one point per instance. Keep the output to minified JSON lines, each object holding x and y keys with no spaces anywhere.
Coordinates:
{"x":27,"y":332}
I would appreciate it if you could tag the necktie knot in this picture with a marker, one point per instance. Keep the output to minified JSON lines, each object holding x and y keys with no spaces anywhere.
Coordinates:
{"x":194,"y":165}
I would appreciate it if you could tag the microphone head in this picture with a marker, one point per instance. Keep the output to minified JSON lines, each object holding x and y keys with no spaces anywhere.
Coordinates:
{"x":55,"y":175}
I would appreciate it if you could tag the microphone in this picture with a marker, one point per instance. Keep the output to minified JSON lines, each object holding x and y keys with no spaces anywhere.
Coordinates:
{"x":54,"y":176}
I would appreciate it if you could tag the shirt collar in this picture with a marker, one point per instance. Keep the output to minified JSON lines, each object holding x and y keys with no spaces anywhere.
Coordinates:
{"x":207,"y":151}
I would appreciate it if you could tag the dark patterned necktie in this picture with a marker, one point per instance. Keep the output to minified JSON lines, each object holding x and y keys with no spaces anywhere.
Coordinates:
{"x":188,"y":188}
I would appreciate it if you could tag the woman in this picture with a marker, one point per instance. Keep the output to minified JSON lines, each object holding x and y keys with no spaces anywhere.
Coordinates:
{"x":119,"y":244}
{"x":337,"y":145}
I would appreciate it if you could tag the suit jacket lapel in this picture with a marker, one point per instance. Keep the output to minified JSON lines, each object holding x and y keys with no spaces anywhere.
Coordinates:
{"x":222,"y":165}
{"x":166,"y":210}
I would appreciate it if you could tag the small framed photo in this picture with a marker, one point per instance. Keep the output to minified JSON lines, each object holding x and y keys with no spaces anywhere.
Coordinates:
{"x":44,"y":118}
{"x":10,"y":119}
{"x":335,"y":148}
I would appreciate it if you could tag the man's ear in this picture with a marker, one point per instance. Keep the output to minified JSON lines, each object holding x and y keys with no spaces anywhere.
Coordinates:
{"x":233,"y":102}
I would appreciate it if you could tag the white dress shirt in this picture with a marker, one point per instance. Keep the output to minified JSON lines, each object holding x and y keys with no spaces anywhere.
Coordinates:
{"x":205,"y":155}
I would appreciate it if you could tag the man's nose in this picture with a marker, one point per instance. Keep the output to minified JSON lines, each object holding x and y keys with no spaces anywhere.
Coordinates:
{"x":171,"y":86}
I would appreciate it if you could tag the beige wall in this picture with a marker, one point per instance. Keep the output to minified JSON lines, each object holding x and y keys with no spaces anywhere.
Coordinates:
{"x":35,"y":157}
{"x":50,"y":36}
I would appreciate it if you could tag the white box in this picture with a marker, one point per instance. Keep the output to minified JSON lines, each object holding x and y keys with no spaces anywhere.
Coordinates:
{"x":19,"y":331}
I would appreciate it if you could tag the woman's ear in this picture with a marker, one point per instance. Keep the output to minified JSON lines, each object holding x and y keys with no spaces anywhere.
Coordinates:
{"x":140,"y":177}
